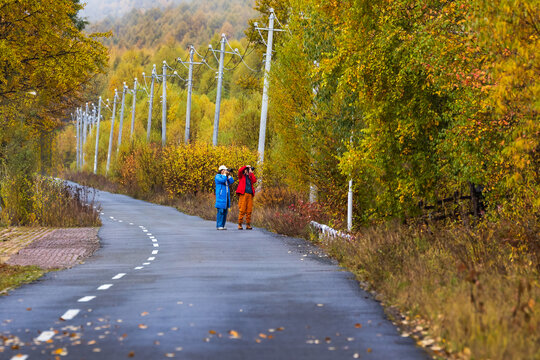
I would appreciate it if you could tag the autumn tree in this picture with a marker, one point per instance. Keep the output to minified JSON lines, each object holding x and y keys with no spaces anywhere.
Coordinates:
{"x":45,"y":59}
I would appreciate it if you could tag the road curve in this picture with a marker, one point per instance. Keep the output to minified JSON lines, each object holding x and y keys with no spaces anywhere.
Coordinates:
{"x":165,"y":284}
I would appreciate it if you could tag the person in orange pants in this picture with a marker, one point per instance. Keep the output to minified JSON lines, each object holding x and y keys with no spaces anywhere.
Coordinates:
{"x":246,"y":192}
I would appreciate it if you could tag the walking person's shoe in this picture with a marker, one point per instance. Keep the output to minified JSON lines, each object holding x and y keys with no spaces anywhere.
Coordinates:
{"x":221,"y":228}
{"x":248,"y":227}
{"x":240,"y":227}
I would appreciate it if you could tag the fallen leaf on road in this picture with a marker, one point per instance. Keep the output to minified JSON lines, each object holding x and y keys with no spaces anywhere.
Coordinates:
{"x":91,"y":342}
{"x":280,"y":329}
{"x":96,"y":350}
{"x":144,"y":313}
{"x":262,"y":335}
{"x":28,"y":309}
{"x":258,"y":341}
{"x":142,"y":326}
{"x":131,"y":354}
{"x":60,"y":351}
{"x":234,"y":334}
{"x":369,"y":350}
{"x":213,"y":332}
{"x":169,"y":355}
{"x":156,"y":342}
{"x":358,"y":325}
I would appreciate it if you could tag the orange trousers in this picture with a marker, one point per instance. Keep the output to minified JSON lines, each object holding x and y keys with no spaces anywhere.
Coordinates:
{"x":245,"y":207}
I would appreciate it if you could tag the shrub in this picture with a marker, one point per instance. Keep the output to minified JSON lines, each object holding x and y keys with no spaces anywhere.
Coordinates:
{"x":190,"y":169}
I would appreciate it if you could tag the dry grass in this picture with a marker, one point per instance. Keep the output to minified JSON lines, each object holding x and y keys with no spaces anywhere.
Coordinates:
{"x":477,"y":296}
{"x":59,"y":205}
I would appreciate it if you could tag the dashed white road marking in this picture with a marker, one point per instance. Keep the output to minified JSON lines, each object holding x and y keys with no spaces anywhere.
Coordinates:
{"x":152,"y":237}
{"x":45,"y":336}
{"x":154,"y":252}
{"x":130,"y":223}
{"x":112,"y":217}
{"x":20,"y":357}
{"x":146,"y":263}
{"x":151,"y":258}
{"x":70,"y":314}
{"x":155,"y":245}
{"x":118,"y":276}
{"x":86,"y":298}
{"x":142,"y":227}
{"x":139,"y":267}
{"x":105,"y":287}
{"x":149,"y":234}
{"x":154,"y":240}
{"x":144,"y":230}
{"x":120,"y":221}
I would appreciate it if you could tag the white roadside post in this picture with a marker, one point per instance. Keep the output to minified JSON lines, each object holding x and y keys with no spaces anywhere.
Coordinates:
{"x":350,"y":206}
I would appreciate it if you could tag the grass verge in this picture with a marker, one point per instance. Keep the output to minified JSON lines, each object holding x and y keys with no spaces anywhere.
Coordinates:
{"x":13,"y":276}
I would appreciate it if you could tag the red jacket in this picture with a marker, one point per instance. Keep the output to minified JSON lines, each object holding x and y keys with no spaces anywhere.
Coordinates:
{"x":241,"y":189}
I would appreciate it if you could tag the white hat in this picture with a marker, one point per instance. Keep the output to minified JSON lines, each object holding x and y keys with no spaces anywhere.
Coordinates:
{"x":222,"y":167}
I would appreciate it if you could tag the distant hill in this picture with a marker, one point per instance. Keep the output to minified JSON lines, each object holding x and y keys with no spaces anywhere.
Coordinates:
{"x":189,"y":22}
{"x":96,"y":10}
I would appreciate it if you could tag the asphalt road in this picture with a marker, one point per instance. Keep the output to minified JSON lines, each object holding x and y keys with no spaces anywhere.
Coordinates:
{"x":165,"y":284}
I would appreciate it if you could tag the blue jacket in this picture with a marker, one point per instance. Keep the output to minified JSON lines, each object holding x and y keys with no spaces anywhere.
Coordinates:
{"x":223,"y":194}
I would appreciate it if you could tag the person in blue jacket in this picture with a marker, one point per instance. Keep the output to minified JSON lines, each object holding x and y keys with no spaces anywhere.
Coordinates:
{"x":223,"y":196}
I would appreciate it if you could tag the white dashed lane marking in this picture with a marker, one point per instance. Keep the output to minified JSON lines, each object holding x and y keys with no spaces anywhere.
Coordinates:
{"x":105,"y":287}
{"x":154,"y":240}
{"x":19,"y":357}
{"x":45,"y":336}
{"x":144,"y":230}
{"x":151,"y":258}
{"x":70,"y":314}
{"x":146,"y":263}
{"x":139,"y":267}
{"x":149,"y":234}
{"x":154,"y":252}
{"x":155,"y":245}
{"x":118,"y":276}
{"x":86,"y":298}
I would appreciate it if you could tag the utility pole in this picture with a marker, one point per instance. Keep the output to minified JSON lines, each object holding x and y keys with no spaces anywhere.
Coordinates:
{"x":349,"y":206}
{"x":97,"y":136}
{"x":133,"y":108}
{"x":190,"y":86}
{"x":164,"y":107}
{"x":190,"y":64}
{"x":264,"y":107}
{"x":121,"y":118}
{"x":218,"y":95}
{"x":85,"y":125}
{"x":150,"y":103}
{"x":112,"y":132}
{"x":267,"y":65}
